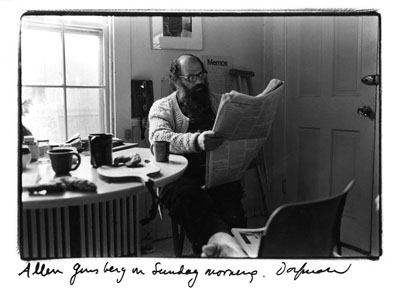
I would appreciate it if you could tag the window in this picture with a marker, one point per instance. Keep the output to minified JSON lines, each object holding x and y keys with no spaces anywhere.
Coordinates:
{"x":65,"y":76}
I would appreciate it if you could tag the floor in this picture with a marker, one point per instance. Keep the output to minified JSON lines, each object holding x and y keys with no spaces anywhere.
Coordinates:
{"x":164,"y":248}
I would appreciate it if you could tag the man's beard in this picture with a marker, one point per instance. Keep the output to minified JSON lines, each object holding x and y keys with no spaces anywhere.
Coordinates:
{"x":195,"y":100}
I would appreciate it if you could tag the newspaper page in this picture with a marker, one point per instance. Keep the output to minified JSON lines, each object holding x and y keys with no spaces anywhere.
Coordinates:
{"x":249,"y":239}
{"x":245,"y":122}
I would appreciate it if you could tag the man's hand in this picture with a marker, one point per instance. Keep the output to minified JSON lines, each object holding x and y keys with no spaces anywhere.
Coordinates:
{"x":209,"y":140}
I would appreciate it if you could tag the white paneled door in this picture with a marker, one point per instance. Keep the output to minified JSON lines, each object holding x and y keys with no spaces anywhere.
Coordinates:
{"x":327,"y":141}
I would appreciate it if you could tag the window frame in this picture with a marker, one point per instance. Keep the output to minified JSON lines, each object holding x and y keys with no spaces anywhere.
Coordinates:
{"x":64,"y":24}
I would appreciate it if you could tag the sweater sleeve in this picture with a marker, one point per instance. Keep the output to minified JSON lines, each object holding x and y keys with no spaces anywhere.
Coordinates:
{"x":164,"y":125}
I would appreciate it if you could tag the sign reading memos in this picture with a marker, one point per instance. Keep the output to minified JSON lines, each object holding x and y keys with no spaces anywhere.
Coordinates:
{"x":219,"y":63}
{"x":218,"y":68}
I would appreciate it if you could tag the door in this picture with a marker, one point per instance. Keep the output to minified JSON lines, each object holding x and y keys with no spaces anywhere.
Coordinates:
{"x":327,"y":142}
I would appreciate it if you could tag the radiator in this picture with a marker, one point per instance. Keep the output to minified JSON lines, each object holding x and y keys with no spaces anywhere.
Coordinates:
{"x":107,"y":228}
{"x":45,"y":233}
{"x":104,"y":229}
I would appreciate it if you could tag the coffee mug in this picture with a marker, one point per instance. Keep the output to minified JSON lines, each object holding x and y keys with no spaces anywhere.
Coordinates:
{"x":62,"y":160}
{"x":160,"y":150}
{"x":100,"y":145}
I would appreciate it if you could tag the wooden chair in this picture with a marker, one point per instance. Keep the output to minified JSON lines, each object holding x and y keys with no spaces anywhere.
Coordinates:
{"x":308,"y":229}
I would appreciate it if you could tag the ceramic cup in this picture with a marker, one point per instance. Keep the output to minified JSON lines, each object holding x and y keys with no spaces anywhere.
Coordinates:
{"x":100,"y":145}
{"x":62,"y":160}
{"x":160,"y":150}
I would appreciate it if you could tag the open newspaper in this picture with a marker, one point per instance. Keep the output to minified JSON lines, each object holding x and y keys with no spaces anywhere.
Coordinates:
{"x":245,"y":122}
{"x":249,"y":239}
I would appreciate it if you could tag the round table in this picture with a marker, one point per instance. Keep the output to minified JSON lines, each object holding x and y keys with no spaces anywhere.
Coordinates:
{"x":47,"y":218}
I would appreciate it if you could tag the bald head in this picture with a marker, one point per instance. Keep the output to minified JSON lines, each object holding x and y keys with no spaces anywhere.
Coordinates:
{"x":188,"y":59}
{"x":185,"y":64}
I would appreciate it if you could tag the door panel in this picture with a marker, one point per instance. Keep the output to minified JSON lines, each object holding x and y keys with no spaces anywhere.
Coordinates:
{"x":327,"y":142}
{"x":308,"y":173}
{"x":345,"y":145}
{"x":309,"y":57}
{"x":347,"y":56}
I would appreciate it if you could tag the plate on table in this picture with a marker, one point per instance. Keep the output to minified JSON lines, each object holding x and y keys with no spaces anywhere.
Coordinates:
{"x":124,"y":173}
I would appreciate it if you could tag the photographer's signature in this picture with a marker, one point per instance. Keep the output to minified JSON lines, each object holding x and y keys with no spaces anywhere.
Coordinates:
{"x":304,"y":270}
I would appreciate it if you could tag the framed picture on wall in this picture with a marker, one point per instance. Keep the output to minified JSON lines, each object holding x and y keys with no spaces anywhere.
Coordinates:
{"x":176,"y":32}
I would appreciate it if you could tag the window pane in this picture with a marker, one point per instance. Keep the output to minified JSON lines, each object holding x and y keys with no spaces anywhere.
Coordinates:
{"x":85,"y":111}
{"x":41,"y":56}
{"x":83,"y":58}
{"x":43,"y":113}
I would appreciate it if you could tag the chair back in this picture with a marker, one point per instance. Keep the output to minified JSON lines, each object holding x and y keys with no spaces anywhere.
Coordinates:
{"x":304,"y":229}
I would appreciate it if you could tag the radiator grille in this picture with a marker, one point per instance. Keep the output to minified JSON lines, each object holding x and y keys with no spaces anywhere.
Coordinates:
{"x":107,"y":229}
{"x":104,"y":229}
{"x":45,"y":233}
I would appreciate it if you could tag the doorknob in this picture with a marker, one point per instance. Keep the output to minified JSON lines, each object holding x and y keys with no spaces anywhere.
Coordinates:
{"x":366,"y":111}
{"x":371,"y":79}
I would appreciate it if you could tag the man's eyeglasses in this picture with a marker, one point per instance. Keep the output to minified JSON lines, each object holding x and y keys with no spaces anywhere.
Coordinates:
{"x":193,"y":77}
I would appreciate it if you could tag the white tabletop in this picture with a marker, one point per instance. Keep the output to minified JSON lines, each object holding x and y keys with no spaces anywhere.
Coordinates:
{"x":169,"y":172}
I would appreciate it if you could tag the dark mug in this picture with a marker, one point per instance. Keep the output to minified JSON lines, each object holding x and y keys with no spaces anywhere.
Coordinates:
{"x":100,"y":145}
{"x":160,"y":150}
{"x":62,"y":160}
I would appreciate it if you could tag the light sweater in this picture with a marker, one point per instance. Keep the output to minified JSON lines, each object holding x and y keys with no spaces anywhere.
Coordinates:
{"x":168,"y":123}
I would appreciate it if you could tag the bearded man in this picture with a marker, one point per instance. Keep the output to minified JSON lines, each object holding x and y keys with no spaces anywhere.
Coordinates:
{"x":185,"y":119}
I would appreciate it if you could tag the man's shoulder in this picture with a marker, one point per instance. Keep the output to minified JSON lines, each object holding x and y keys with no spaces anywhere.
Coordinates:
{"x":165,"y":101}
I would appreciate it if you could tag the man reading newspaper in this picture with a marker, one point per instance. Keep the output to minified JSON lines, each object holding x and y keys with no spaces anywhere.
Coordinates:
{"x":185,"y":119}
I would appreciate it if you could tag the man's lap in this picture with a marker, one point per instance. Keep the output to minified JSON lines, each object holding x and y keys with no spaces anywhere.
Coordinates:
{"x":223,"y":200}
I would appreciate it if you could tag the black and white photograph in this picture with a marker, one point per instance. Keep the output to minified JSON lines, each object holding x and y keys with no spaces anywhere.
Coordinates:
{"x":177,"y":26}
{"x":184,"y":149}
{"x":178,"y":31}
{"x":296,"y":132}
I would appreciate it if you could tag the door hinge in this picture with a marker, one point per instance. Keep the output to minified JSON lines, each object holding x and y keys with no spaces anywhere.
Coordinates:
{"x":371,"y":79}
